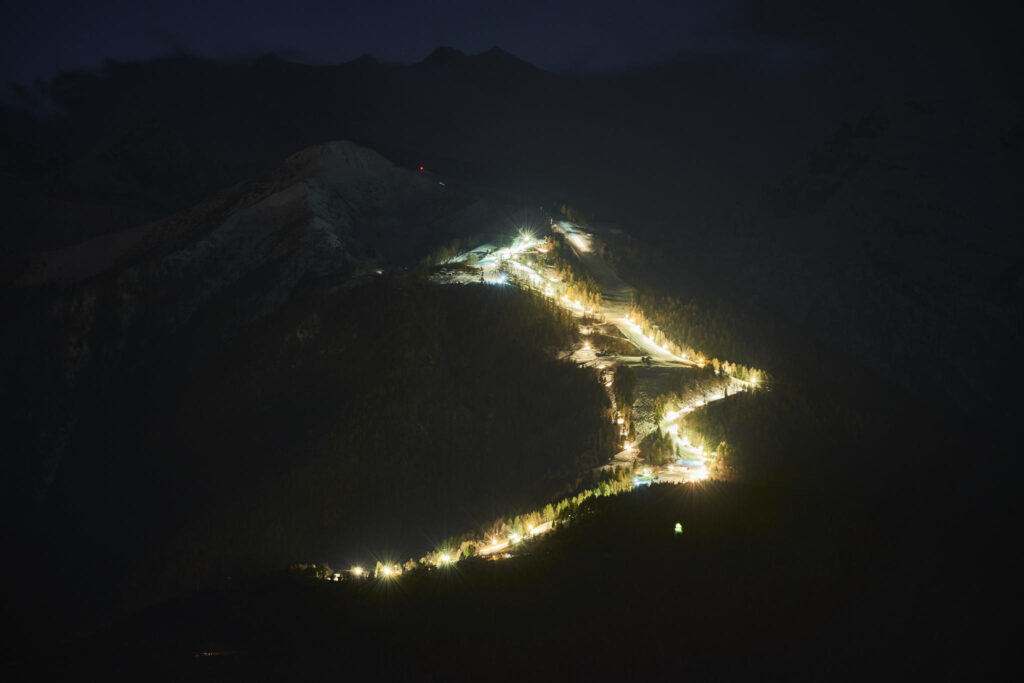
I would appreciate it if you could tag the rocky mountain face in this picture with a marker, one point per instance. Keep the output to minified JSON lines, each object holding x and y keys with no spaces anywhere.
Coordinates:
{"x":342,"y":204}
{"x":332,"y":212}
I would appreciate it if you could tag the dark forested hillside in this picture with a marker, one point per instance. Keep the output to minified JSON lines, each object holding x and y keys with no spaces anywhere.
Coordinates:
{"x":761,"y":582}
{"x":390,"y":412}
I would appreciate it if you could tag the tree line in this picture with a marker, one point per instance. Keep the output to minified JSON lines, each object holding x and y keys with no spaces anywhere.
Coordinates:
{"x":469,"y":544}
{"x":382,"y":411}
{"x":692,"y":332}
{"x":580,"y":285}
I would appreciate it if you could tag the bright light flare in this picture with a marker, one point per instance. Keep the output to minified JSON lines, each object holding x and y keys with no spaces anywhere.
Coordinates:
{"x":357,"y":571}
{"x":574,"y":304}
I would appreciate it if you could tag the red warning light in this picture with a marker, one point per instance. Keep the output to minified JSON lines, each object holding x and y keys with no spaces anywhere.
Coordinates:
{"x":421,"y":168}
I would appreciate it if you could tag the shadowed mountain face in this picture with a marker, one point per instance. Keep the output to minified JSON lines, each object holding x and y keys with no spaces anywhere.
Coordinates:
{"x":332,"y":212}
{"x":902,"y":220}
{"x":242,"y":385}
{"x":877,"y":264}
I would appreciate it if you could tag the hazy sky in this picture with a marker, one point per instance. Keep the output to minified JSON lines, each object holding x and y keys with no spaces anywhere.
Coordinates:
{"x":39,"y":37}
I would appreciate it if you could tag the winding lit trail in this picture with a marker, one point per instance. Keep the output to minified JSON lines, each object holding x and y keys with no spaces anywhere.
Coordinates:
{"x":616,"y":300}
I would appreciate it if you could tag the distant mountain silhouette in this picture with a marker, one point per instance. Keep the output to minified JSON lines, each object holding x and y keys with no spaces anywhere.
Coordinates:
{"x":138,"y":141}
{"x":494,"y":62}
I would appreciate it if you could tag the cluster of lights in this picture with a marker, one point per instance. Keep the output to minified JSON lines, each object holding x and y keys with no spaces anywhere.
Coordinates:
{"x":524,"y":242}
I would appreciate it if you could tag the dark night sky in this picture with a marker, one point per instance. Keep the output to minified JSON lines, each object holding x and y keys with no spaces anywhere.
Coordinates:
{"x":781,"y":36}
{"x":45,"y":35}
